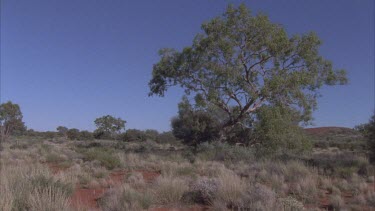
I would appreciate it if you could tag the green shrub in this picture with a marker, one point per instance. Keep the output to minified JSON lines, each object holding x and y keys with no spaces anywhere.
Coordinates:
{"x":134,"y":135}
{"x":224,"y":152}
{"x":73,"y":134}
{"x":166,"y":137}
{"x":105,"y":156}
{"x":85,"y":135}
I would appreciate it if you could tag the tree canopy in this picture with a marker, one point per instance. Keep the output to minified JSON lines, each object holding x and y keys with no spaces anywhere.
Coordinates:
{"x":241,"y":62}
{"x":10,"y":119}
{"x":109,"y":124}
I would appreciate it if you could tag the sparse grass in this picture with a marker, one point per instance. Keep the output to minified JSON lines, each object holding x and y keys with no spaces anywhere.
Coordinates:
{"x":220,"y":176}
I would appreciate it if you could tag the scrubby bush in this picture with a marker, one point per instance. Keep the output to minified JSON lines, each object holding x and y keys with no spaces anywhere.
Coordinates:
{"x":125,"y":198}
{"x":166,"y":137}
{"x":259,"y":197}
{"x":151,"y":134}
{"x":134,"y":135}
{"x":73,"y":134}
{"x":85,"y":135}
{"x":224,"y":152}
{"x":291,"y":204}
{"x":194,"y":126}
{"x":206,"y":189}
{"x":340,"y":164}
{"x":105,"y":156}
{"x":98,"y":134}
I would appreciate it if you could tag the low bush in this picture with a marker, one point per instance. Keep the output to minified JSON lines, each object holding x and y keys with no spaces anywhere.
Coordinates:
{"x":125,"y":198}
{"x":105,"y":156}
{"x":224,"y":152}
{"x":206,"y":190}
{"x":340,"y":164}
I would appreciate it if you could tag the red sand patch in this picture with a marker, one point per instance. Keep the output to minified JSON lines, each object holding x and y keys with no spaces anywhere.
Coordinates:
{"x":87,"y":198}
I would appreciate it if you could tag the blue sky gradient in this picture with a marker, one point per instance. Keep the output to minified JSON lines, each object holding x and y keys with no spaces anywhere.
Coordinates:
{"x":66,"y":62}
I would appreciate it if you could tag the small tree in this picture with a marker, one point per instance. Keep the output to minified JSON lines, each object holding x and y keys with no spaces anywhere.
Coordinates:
{"x":10,"y":120}
{"x":110,"y":125}
{"x":63,"y":131}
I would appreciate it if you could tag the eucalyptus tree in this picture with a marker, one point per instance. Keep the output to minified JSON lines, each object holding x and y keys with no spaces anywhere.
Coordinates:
{"x":109,"y":125}
{"x":10,"y":120}
{"x":241,"y":62}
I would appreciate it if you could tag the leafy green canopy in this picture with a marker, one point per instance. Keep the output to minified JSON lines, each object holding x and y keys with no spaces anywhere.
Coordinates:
{"x":10,"y":119}
{"x":241,"y":62}
{"x":277,"y":130}
{"x":109,"y":124}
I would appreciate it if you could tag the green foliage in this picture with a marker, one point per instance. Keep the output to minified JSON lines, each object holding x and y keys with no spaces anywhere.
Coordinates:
{"x":104,"y":156}
{"x":151,"y":134}
{"x":102,"y":135}
{"x":340,"y":164}
{"x":85,"y":135}
{"x":109,"y":125}
{"x":73,"y":134}
{"x":63,"y":131}
{"x":277,"y":130}
{"x":194,"y":126}
{"x":241,"y":62}
{"x":134,"y":135}
{"x":10,"y":120}
{"x":224,"y":152}
{"x":166,"y":137}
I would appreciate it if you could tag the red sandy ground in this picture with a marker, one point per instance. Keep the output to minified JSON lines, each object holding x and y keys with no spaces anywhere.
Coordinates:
{"x":87,"y":197}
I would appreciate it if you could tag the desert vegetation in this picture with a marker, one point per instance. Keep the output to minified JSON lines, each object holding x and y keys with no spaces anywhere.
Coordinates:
{"x":236,"y":142}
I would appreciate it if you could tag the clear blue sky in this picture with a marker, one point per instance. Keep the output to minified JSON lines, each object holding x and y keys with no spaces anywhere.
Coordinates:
{"x":66,"y":62}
